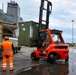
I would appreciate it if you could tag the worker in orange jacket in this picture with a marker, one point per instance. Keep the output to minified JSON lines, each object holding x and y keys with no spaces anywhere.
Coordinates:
{"x":7,"y":49}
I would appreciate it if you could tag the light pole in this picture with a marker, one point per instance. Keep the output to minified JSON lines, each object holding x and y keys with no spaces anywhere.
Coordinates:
{"x":72,"y":31}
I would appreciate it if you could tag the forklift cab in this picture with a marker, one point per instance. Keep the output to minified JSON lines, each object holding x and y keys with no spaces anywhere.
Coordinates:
{"x":56,"y":38}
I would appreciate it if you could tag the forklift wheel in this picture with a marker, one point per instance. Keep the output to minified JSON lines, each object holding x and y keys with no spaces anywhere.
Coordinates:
{"x":51,"y":58}
{"x":33,"y":56}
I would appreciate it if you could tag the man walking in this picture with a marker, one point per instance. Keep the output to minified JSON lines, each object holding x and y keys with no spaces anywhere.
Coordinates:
{"x":7,"y":49}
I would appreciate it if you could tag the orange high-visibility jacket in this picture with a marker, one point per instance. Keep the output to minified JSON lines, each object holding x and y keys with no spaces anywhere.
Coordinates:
{"x":7,"y":47}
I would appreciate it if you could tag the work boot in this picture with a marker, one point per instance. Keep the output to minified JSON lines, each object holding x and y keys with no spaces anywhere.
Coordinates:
{"x":11,"y":69}
{"x":4,"y":69}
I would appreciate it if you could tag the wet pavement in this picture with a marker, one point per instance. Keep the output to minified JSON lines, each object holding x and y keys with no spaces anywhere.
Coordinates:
{"x":25,"y":66}
{"x":46,"y":69}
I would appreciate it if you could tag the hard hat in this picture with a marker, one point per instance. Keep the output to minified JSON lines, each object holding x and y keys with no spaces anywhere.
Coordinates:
{"x":6,"y":38}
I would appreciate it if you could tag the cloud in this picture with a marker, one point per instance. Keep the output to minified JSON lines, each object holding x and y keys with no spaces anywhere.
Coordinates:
{"x":63,"y":11}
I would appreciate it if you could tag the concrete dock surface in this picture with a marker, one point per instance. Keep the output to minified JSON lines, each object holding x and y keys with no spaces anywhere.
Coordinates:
{"x":22,"y":60}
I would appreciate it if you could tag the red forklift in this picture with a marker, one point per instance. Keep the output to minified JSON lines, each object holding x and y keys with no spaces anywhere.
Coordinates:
{"x":50,"y":45}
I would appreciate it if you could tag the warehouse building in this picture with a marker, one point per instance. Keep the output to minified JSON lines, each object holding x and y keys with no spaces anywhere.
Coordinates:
{"x":11,"y":18}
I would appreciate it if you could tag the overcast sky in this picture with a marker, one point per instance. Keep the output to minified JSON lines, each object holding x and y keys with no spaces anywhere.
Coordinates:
{"x":63,"y":12}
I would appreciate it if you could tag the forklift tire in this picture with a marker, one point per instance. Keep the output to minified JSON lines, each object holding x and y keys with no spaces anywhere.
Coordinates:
{"x":51,"y":58}
{"x":33,"y":56}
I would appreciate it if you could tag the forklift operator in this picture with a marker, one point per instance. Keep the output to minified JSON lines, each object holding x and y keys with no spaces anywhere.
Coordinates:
{"x":45,"y":40}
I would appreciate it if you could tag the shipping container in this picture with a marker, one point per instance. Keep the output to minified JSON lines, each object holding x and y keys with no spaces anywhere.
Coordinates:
{"x":28,"y":33}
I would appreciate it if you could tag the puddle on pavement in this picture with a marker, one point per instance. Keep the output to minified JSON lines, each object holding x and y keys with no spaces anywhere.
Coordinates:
{"x":50,"y":69}
{"x":46,"y":69}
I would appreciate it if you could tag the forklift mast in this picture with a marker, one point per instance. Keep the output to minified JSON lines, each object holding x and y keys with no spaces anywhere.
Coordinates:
{"x":48,"y":10}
